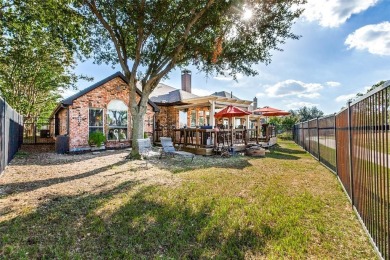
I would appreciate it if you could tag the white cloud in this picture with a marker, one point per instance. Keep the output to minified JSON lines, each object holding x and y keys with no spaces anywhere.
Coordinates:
{"x":345,"y":98}
{"x":332,"y":13}
{"x":201,"y":92}
{"x":333,"y":84}
{"x":294,"y":88}
{"x":297,"y":105}
{"x":375,"y":38}
{"x":260,"y":95}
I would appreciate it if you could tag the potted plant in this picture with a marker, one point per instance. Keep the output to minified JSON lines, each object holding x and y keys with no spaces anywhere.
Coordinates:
{"x":96,"y":140}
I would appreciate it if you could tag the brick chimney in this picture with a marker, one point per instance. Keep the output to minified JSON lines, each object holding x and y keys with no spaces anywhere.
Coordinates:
{"x":255,"y":103}
{"x":186,"y":80}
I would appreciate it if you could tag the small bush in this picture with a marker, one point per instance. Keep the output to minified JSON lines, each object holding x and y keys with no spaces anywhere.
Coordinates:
{"x":286,"y":136}
{"x":96,"y":138}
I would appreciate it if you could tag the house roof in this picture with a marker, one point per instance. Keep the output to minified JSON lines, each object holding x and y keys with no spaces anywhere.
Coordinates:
{"x":224,"y":94}
{"x":69,"y":100}
{"x":167,"y":94}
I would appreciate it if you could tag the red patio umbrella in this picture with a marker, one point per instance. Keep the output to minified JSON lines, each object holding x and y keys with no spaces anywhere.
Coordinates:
{"x":231,"y":111}
{"x":270,"y":111}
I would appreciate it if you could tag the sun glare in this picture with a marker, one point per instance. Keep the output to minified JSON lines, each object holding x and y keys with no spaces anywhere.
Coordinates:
{"x":247,"y":14}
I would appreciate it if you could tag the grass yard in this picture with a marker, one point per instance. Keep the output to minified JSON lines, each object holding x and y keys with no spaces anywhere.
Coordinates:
{"x":283,"y":206}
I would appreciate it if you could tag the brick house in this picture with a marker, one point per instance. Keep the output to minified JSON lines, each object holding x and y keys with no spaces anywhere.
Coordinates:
{"x":104,"y":107}
{"x":100,"y":107}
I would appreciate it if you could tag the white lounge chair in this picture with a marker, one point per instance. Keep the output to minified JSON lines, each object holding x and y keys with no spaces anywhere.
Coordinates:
{"x":169,"y":149}
{"x":146,"y":150}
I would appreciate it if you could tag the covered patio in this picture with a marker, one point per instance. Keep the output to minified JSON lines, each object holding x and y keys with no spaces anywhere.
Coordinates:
{"x":200,"y":132}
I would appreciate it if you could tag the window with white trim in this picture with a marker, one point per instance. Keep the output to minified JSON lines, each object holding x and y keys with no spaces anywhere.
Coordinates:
{"x":117,"y":120}
{"x":96,"y":120}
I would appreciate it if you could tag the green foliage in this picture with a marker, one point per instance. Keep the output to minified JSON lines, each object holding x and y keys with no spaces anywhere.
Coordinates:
{"x":307,"y":113}
{"x":96,"y":138}
{"x":35,"y":64}
{"x":286,"y":135}
{"x":283,"y":124}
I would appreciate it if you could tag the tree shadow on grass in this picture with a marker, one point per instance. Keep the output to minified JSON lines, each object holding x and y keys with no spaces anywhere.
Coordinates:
{"x":281,"y":149}
{"x":52,"y":158}
{"x":143,"y":227}
{"x":18,"y":187}
{"x":179,"y":165}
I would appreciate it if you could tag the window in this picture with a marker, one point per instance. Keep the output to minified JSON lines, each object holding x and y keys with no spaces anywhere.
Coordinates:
{"x":95,"y":120}
{"x":117,"y":120}
{"x":182,"y":119}
{"x":207,"y":117}
{"x":193,"y":118}
{"x":201,"y":118}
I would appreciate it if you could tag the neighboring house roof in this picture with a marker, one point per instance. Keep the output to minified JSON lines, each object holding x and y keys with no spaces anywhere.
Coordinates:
{"x":224,"y":94}
{"x":167,"y":94}
{"x":69,"y":100}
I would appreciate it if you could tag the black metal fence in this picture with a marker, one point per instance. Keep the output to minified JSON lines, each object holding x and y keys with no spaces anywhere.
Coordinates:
{"x":355,"y":145}
{"x":38,"y":130}
{"x":11,"y":133}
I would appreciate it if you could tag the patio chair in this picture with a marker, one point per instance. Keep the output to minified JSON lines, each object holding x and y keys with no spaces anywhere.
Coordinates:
{"x":146,"y":150}
{"x":169,"y":149}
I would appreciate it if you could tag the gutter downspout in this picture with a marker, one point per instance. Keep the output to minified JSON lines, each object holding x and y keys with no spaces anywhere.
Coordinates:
{"x":67,"y":122}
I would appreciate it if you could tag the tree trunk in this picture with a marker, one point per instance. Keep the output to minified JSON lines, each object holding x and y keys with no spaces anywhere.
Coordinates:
{"x":137,"y":132}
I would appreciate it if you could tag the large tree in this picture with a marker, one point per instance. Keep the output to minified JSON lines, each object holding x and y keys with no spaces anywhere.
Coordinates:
{"x":150,"y":38}
{"x":35,"y":63}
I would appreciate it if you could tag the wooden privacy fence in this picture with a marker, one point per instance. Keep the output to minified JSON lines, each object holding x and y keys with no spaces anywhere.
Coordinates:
{"x":355,"y":145}
{"x":11,"y":133}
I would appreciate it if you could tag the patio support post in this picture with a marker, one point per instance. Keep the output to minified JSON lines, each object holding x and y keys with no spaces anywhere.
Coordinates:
{"x":247,"y":127}
{"x":245,"y":135}
{"x":231,"y":134}
{"x":196,"y":137}
{"x":185,"y":137}
{"x":212,"y":112}
{"x":257,"y":134}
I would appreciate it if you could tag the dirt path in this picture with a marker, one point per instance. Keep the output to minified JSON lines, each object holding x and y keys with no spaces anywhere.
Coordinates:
{"x":32,"y":179}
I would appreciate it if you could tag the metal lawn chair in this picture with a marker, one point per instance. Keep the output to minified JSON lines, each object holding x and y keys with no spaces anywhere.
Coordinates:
{"x":169,"y":149}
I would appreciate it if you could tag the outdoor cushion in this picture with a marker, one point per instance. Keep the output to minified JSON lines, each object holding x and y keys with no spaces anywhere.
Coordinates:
{"x":169,"y":149}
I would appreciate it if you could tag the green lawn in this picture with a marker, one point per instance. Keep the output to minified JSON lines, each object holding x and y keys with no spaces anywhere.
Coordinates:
{"x":286,"y":205}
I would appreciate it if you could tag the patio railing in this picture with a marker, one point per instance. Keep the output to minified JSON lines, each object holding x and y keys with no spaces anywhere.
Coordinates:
{"x":207,"y":138}
{"x":355,"y":145}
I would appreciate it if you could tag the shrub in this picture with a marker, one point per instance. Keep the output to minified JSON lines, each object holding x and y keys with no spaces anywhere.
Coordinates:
{"x":96,"y":138}
{"x":286,"y":135}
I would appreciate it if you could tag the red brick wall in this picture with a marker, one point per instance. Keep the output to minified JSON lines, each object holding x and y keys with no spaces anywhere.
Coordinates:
{"x":168,"y":116}
{"x":99,"y":98}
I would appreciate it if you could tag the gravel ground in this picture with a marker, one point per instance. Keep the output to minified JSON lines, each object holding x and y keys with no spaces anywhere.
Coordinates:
{"x":35,"y":177}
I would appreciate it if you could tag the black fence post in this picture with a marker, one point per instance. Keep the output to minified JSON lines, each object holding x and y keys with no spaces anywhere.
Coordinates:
{"x":350,"y":151}
{"x":335,"y":141}
{"x":318,"y":140}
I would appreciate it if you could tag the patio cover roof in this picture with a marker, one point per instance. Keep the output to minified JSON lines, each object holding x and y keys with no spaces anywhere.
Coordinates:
{"x":219,"y":101}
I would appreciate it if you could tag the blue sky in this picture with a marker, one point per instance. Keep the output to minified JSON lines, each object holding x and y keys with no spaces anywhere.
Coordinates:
{"x":345,"y":48}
